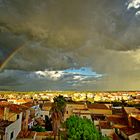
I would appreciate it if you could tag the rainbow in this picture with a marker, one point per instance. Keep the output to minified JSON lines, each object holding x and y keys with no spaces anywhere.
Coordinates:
{"x":10,"y":56}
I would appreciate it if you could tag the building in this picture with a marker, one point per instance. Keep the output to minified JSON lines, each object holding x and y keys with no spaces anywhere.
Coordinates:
{"x":127,"y":125}
{"x":100,"y":109}
{"x":70,"y":107}
{"x":45,"y":110}
{"x":106,"y":129}
{"x":10,"y":121}
{"x":84,"y":113}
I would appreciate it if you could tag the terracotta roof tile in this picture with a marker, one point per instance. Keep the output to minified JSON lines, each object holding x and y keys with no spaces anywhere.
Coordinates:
{"x":129,"y":131}
{"x":104,"y":125}
{"x":13,"y":107}
{"x":117,"y":119}
{"x":131,"y":110}
{"x":97,"y":106}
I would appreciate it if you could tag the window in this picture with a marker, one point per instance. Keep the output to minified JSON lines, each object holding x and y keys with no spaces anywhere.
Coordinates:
{"x":84,"y":117}
{"x":12,"y":135}
{"x":17,"y":117}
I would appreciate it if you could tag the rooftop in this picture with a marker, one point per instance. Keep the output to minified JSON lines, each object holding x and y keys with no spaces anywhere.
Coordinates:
{"x":117,"y":119}
{"x":104,"y":125}
{"x":26,"y":134}
{"x":137,"y":117}
{"x":3,"y":125}
{"x":131,"y":110}
{"x":12,"y":107}
{"x":98,"y":106}
{"x":129,"y":131}
{"x":27,"y":105}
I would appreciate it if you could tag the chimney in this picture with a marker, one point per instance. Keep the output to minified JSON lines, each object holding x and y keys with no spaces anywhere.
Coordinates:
{"x":6,"y":113}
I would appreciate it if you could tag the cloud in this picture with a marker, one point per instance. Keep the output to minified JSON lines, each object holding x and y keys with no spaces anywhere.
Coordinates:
{"x":68,"y":35}
{"x":138,"y":13}
{"x":61,"y":78}
{"x":133,"y":4}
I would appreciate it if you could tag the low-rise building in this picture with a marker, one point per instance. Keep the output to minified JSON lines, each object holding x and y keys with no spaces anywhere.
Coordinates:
{"x":72,"y":106}
{"x":96,"y":108}
{"x":84,"y":113}
{"x":10,"y":121}
{"x":106,"y":129}
{"x":45,"y":110}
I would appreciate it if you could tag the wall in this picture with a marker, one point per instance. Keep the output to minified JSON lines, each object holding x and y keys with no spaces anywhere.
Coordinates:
{"x":88,"y":116}
{"x":71,"y":107}
{"x":101,"y":111}
{"x":12,"y":116}
{"x":96,"y":122}
{"x":107,"y":132}
{"x":135,"y":136}
{"x":44,"y":113}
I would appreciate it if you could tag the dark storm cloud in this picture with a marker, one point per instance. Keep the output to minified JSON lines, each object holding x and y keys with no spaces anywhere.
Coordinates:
{"x":69,"y":24}
{"x":61,"y":34}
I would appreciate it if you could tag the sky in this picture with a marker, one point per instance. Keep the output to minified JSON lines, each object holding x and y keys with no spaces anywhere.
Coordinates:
{"x":69,"y":45}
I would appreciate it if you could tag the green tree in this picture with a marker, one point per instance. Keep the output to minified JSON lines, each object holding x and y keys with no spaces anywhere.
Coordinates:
{"x":82,"y":129}
{"x":38,"y":128}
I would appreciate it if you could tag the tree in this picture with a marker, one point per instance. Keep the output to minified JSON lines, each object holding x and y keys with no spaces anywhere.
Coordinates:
{"x":60,"y":102}
{"x":48,"y":125}
{"x":38,"y":128}
{"x":82,"y":129}
{"x":57,"y":113}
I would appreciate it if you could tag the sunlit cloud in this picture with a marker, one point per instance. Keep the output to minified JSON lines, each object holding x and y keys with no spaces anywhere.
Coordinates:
{"x":133,"y":4}
{"x":71,"y":77}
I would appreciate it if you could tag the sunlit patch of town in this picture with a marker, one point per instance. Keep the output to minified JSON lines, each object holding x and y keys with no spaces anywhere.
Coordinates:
{"x":48,"y":114}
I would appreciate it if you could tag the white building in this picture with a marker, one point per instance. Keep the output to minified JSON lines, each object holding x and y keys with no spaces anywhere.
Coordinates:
{"x":9,"y":130}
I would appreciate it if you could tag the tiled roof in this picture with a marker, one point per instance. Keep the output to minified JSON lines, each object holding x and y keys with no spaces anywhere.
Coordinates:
{"x":20,"y":101}
{"x":4,"y":103}
{"x":13,"y":107}
{"x":1,"y":112}
{"x":119,"y":126}
{"x":28,"y":105}
{"x":104,"y":125}
{"x":137,"y":117}
{"x":3,"y":125}
{"x":26,"y":134}
{"x":117,"y":119}
{"x":28,"y":100}
{"x":131,"y":110}
{"x":77,"y":102}
{"x":97,"y":106}
{"x":48,"y":104}
{"x":129,"y":131}
{"x":49,"y":133}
